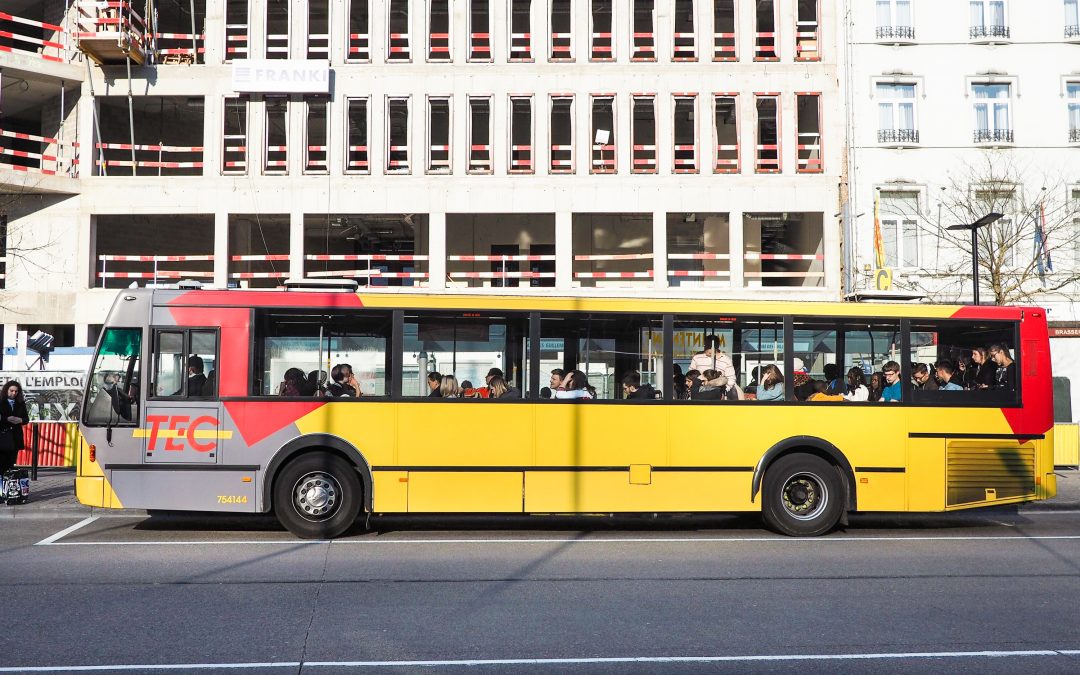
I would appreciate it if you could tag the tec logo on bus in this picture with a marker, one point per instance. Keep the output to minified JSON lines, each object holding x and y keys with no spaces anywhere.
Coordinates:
{"x":182,"y":432}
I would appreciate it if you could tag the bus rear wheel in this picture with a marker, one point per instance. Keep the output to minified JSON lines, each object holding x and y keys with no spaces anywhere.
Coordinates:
{"x":317,"y":496}
{"x":802,"y":496}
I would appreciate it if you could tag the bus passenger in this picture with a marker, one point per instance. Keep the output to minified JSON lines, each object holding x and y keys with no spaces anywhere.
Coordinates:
{"x":1005,"y":377}
{"x":344,"y":383}
{"x":493,"y":372}
{"x":717,"y":387}
{"x":434,"y":382}
{"x":557,"y":376}
{"x":634,"y":389}
{"x":826,"y":391}
{"x":196,"y":378}
{"x":693,"y":382}
{"x":892,"y":391}
{"x":499,"y":388}
{"x":713,"y":359}
{"x":772,"y":384}
{"x":924,"y":381}
{"x":574,"y":386}
{"x":449,"y":388}
{"x":290,"y":383}
{"x":945,"y":374}
{"x":982,"y":374}
{"x":856,"y":386}
{"x":876,"y":386}
{"x":832,"y":377}
{"x":312,"y":385}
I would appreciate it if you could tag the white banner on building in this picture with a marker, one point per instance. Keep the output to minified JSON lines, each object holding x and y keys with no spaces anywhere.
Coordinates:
{"x":254,"y":76}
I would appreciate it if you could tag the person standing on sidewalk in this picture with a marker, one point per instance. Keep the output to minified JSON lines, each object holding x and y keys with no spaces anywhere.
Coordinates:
{"x":13,"y":416}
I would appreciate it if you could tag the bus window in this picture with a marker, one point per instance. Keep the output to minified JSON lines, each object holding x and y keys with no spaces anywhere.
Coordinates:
{"x":745,"y":349}
{"x":965,"y":363}
{"x":168,"y":364}
{"x":185,"y":364}
{"x":296,"y":352}
{"x":112,"y":396}
{"x":620,"y":355}
{"x":464,"y":346}
{"x":868,"y":346}
{"x":817,"y":371}
{"x":202,"y":364}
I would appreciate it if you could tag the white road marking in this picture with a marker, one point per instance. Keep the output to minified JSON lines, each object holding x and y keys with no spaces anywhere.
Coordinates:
{"x":66,"y":531}
{"x":895,"y":656}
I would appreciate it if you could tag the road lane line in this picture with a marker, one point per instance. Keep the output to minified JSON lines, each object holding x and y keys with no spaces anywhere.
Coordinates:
{"x":47,"y":541}
{"x":752,"y":658}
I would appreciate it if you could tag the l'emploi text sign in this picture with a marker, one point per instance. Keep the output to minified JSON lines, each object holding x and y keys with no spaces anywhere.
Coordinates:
{"x":253,"y":76}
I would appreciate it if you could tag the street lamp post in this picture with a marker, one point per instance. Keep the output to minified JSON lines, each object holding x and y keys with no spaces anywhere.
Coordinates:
{"x":974,"y":227}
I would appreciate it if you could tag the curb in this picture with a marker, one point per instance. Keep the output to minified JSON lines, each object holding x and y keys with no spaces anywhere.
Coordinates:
{"x":43,"y":511}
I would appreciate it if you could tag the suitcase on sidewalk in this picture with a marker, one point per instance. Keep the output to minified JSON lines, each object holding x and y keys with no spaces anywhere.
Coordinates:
{"x":16,"y":486}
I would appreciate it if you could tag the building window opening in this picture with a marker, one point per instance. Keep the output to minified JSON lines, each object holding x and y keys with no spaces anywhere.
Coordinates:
{"x":276,"y":157}
{"x":180,"y":36}
{"x":30,"y":27}
{"x":899,"y":216}
{"x":397,"y":134}
{"x":612,"y":249}
{"x":439,"y":135}
{"x":603,"y":134}
{"x":480,"y":30}
{"x":277,"y":29}
{"x":698,"y":250}
{"x":644,"y":133}
{"x":765,"y":31}
{"x":807,"y":31}
{"x":562,"y":30}
{"x":1072,"y":19}
{"x":496,"y":250}
{"x":896,"y":113}
{"x":359,"y":31}
{"x":783,"y":249}
{"x":521,"y":134}
{"x":768,"y":133}
{"x":236,"y":29}
{"x":168,"y":136}
{"x":1072,"y":94}
{"x":988,"y":19}
{"x":685,"y":134}
{"x":397,"y":22}
{"x":724,"y":30}
{"x":439,"y":31}
{"x":684,"y":46}
{"x":726,"y":128}
{"x":809,"y":133}
{"x":562,"y":134}
{"x":148,"y":249}
{"x":317,"y":150}
{"x":37,"y":135}
{"x":374,"y":249}
{"x":258,"y":250}
{"x":318,"y":42}
{"x":644,"y":30}
{"x":602,"y":43}
{"x":521,"y":30}
{"x":357,"y":158}
{"x":993,"y":107}
{"x":3,"y":249}
{"x":480,"y":135}
{"x":234,"y":146}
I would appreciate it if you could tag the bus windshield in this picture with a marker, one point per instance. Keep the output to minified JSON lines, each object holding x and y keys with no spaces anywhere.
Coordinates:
{"x":112,"y":396}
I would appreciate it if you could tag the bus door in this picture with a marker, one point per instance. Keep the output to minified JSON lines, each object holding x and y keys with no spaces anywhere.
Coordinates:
{"x":183,"y":409}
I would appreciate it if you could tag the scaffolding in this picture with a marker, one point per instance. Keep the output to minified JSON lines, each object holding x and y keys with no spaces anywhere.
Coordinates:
{"x":111,"y":31}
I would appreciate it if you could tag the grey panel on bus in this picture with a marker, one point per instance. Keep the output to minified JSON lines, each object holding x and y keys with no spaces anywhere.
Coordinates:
{"x":187,"y":490}
{"x":185,"y":434}
{"x":161,"y":316}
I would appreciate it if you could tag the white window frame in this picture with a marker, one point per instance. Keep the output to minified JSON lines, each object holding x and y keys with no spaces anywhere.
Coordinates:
{"x":1073,"y":21}
{"x":1072,"y":99}
{"x":307,"y":141}
{"x":246,"y":100}
{"x":510,"y":38}
{"x":895,"y":103}
{"x":490,"y":134}
{"x":510,"y":130}
{"x":986,"y":12}
{"x":389,"y":40}
{"x":349,"y":58}
{"x":490,"y":31}
{"x":449,"y":168}
{"x":614,"y":34}
{"x":267,"y":169}
{"x":367,"y":123}
{"x":408,"y":136}
{"x":573,"y":98}
{"x":991,"y":118}
{"x":427,"y":33}
{"x":893,"y":14}
{"x":902,"y":224}
{"x":696,"y":47}
{"x":655,"y":168}
{"x":675,"y":168}
{"x":613,"y":138}
{"x":266,"y":31}
{"x":550,"y":32}
{"x":630,"y":33}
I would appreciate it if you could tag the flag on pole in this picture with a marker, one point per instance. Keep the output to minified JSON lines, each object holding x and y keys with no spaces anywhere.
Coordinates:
{"x":1042,"y":249}
{"x":879,"y":242}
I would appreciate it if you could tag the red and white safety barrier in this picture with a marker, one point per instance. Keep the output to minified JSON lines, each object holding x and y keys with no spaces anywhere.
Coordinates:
{"x":160,"y":274}
{"x":122,"y":158}
{"x":724,"y":47}
{"x":806,"y":41}
{"x":809,"y":160}
{"x":562,"y":159}
{"x":371,"y":257}
{"x":700,"y":274}
{"x":259,"y":275}
{"x":644,"y":47}
{"x":644,"y":160}
{"x":765,"y":47}
{"x":155,"y":258}
{"x":439,"y":46}
{"x":684,"y":47}
{"x":319,"y":43}
{"x":399,"y":46}
{"x":520,"y":46}
{"x":400,"y":165}
{"x":359,"y":47}
{"x":561,"y":46}
{"x":57,"y":46}
{"x":480,"y":158}
{"x":617,"y":256}
{"x":187,"y":44}
{"x":274,"y":257}
{"x":603,"y":160}
{"x":480,"y":46}
{"x":613,"y":275}
{"x":500,"y":258}
{"x":370,"y":274}
{"x":110,"y":20}
{"x":358,"y":159}
{"x":502,"y":275}
{"x":768,"y":164}
{"x":602,"y":49}
{"x":685,"y":159}
{"x":277,"y":159}
{"x":783,"y":256}
{"x":234,"y":154}
{"x":699,"y":256}
{"x":521,"y":159}
{"x":236,"y":39}
{"x":277,"y":43}
{"x":153,"y":148}
{"x":312,"y":162}
{"x":727,"y":159}
{"x":783,"y":275}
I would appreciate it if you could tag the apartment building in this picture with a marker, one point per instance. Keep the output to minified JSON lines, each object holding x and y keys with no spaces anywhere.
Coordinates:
{"x":614,"y":146}
{"x":983,"y":97}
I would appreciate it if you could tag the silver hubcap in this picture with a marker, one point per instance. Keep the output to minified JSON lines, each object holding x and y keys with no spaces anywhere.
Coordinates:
{"x":805,"y":496}
{"x":316,"y":496}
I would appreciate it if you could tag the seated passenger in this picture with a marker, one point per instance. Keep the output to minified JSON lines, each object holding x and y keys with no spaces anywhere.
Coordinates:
{"x":1005,"y":376}
{"x":876,"y":386}
{"x":856,"y":386}
{"x":771,"y":387}
{"x":312,"y":385}
{"x":291,"y":383}
{"x":892,"y":391}
{"x":717,"y":387}
{"x":434,"y":383}
{"x":344,"y":383}
{"x":575,"y":386}
{"x":449,"y":388}
{"x":545,"y":392}
{"x":981,"y":374}
{"x":804,"y":390}
{"x":923,"y":380}
{"x":945,"y":373}
{"x":693,"y":382}
{"x":498,"y":388}
{"x":557,"y":376}
{"x":634,"y":389}
{"x":196,"y":379}
{"x":826,"y":391}
{"x":713,"y":359}
{"x":832,"y":376}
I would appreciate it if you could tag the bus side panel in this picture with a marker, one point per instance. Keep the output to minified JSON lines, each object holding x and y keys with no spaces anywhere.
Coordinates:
{"x":188,"y":490}
{"x":925,"y":474}
{"x":612,"y":491}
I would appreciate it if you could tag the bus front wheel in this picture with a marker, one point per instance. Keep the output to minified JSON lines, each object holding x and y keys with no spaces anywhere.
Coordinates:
{"x":317,"y":496}
{"x":802,"y":496}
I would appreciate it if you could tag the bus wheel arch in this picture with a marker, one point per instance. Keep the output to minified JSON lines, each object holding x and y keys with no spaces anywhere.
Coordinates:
{"x":324,"y":443}
{"x":810,"y":445}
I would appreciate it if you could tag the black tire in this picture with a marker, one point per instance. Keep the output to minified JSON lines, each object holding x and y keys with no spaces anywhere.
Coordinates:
{"x":317,"y":496}
{"x":802,"y":496}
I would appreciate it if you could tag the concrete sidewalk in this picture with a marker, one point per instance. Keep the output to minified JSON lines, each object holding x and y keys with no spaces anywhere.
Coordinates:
{"x":52,"y":495}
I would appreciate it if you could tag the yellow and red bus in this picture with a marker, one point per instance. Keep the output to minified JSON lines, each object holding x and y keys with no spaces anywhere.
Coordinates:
{"x":218,"y":400}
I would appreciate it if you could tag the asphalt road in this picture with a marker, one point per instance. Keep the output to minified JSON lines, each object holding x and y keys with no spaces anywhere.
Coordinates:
{"x":978,"y":592}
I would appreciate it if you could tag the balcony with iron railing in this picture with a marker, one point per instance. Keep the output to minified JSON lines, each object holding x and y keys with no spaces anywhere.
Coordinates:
{"x":989,"y":33}
{"x":898,"y":136}
{"x":992,"y":136}
{"x":1072,"y":33}
{"x":1074,"y":135}
{"x":896,"y":33}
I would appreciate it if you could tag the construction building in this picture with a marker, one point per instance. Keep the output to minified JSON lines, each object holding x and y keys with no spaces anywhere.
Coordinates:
{"x":659,"y":147}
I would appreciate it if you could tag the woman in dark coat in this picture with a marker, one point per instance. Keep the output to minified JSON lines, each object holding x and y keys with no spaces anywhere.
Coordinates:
{"x":13,"y":416}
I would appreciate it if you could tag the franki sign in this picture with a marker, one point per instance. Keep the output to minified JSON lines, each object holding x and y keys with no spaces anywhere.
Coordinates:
{"x":281,"y":77}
